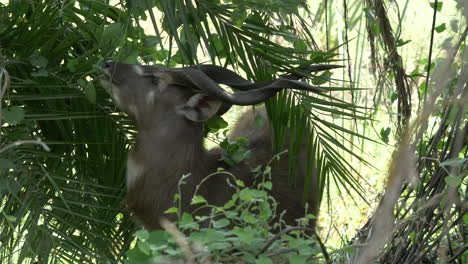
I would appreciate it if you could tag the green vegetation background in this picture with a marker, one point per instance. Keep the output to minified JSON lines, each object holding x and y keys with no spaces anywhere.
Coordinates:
{"x":63,"y":144}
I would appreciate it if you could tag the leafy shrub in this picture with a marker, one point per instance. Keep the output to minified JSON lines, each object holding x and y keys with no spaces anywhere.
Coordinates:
{"x":247,"y":229}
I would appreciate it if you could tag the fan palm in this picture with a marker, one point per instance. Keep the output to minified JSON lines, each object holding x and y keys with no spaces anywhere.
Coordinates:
{"x":64,"y":205}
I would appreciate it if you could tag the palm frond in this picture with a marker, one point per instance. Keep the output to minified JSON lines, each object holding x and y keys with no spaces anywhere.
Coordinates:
{"x":65,"y":205}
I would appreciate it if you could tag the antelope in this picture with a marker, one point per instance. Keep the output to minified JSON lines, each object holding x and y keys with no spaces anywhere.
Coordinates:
{"x":169,"y":108}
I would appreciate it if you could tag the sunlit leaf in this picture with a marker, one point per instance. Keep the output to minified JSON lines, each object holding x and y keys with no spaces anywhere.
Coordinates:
{"x":440,"y":28}
{"x":439,"y":5}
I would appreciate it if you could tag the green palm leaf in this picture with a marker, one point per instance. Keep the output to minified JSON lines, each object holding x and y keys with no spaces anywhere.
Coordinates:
{"x":65,"y":205}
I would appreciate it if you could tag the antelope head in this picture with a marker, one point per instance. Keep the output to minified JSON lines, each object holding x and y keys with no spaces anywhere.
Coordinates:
{"x":144,"y":92}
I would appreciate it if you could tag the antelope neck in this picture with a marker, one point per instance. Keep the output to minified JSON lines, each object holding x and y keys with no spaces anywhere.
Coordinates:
{"x":174,"y":142}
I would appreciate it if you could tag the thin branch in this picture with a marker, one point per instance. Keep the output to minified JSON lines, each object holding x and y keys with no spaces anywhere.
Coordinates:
{"x":431,"y":45}
{"x":291,"y":229}
{"x":277,"y":236}
{"x":282,"y":251}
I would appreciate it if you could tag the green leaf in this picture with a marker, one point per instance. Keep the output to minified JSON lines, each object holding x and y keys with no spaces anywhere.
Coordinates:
{"x":142,"y":235}
{"x":229,"y":204}
{"x":219,"y":246}
{"x":151,"y":41}
{"x":231,"y":214}
{"x":369,"y":14}
{"x":177,"y":195}
{"x":172,"y":210}
{"x":245,"y":235}
{"x":201,"y":218}
{"x":239,"y":156}
{"x":11,"y":218}
{"x":207,"y":235}
{"x":439,"y":5}
{"x":311,"y":216}
{"x":454,"y":162}
{"x":298,"y":259}
{"x":427,"y":67}
{"x":453,"y":181}
{"x":113,"y":31}
{"x":375,"y":28}
{"x":257,"y":169}
{"x":38,"y":61}
{"x":144,"y":248}
{"x":384,"y":134}
{"x":187,"y":222}
{"x":219,"y":46}
{"x":440,"y":28}
{"x":216,"y":123}
{"x":40,"y":73}
{"x":242,"y":141}
{"x":300,"y":45}
{"x":401,"y":42}
{"x":251,"y":219}
{"x":72,"y":65}
{"x":323,"y":78}
{"x":248,"y":194}
{"x":179,"y":58}
{"x":161,"y":55}
{"x":238,"y":17}
{"x":13,"y":115}
{"x":422,"y":90}
{"x":132,"y":58}
{"x":240,"y":183}
{"x":349,"y":250}
{"x":135,"y":255}
{"x":173,"y":252}
{"x":224,"y":144}
{"x":158,"y":238}
{"x":198,"y":199}
{"x":90,"y":92}
{"x":268,"y":185}
{"x":262,"y":259}
{"x":6,"y":164}
{"x":221,"y":223}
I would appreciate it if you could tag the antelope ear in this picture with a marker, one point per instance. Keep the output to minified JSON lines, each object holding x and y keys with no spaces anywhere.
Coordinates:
{"x":200,"y":107}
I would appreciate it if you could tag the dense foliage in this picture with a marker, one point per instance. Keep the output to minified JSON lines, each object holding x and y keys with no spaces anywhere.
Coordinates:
{"x":243,"y":230}
{"x":63,"y":144}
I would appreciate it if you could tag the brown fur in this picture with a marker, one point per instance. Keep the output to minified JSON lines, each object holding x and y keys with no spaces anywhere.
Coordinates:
{"x":168,"y":145}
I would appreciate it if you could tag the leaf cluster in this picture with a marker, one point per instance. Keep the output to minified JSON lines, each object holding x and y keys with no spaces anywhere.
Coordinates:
{"x":241,"y":231}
